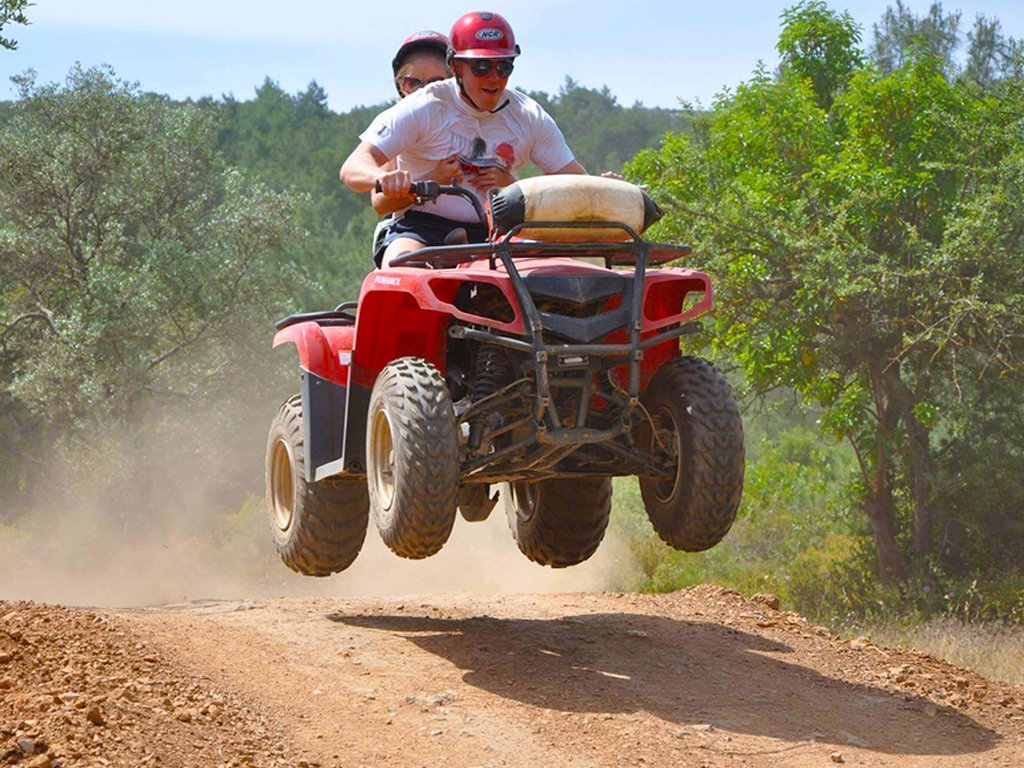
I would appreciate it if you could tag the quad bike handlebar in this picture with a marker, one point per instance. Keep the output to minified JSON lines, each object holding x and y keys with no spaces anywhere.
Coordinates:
{"x":430,"y":191}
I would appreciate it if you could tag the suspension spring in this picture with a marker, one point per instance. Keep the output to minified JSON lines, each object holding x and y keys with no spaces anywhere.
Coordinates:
{"x":492,"y":370}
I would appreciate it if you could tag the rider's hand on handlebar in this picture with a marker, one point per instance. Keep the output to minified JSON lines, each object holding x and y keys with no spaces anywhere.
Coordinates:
{"x":490,"y":178}
{"x":395,"y":184}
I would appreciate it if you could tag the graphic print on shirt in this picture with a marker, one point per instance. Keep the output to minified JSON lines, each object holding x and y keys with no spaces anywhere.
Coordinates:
{"x":473,"y":154}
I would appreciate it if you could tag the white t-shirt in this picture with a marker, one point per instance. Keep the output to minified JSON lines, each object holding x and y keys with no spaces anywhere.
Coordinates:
{"x":435,"y":123}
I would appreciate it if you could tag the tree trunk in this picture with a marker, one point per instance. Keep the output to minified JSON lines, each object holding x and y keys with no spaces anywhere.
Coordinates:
{"x":920,"y":472}
{"x":880,"y":505}
{"x":881,"y":511}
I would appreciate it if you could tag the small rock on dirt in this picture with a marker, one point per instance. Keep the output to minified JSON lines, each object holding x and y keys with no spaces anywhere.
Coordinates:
{"x":837,"y":757}
{"x":95,"y":716}
{"x":767,"y":599}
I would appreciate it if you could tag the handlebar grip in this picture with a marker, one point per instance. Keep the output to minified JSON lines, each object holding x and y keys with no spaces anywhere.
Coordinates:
{"x":427,"y":190}
{"x":421,"y":190}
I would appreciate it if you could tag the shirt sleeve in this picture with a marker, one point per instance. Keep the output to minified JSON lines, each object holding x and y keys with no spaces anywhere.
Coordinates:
{"x":393,"y":131}
{"x":550,"y":153}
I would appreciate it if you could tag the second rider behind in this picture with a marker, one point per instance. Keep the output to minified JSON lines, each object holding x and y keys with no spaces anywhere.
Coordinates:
{"x":472,"y":126}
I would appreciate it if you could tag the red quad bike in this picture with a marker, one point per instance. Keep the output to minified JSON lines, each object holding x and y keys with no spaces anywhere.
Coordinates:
{"x":511,"y":363}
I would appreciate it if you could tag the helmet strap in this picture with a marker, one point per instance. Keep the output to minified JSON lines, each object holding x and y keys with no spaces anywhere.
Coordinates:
{"x":466,"y":96}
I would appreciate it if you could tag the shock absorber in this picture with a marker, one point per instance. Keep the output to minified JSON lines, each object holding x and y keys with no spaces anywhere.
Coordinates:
{"x":492,"y":370}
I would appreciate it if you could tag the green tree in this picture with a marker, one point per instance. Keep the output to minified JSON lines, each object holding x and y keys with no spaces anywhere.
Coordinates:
{"x":901,"y":35}
{"x":135,"y":269}
{"x":12,"y":12}
{"x":868,"y":256}
{"x":991,"y":55}
{"x":602,"y":133}
{"x":294,"y":141}
{"x":822,"y":45}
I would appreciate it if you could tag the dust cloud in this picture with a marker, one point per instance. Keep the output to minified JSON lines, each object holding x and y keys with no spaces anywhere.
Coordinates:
{"x":180,"y":525}
{"x":169,"y":507}
{"x":82,"y":560}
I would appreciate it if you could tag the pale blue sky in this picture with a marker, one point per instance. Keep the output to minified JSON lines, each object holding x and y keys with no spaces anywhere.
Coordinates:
{"x":653,"y":51}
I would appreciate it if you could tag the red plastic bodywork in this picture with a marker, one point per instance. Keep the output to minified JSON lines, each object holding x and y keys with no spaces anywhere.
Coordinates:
{"x":323,"y":349}
{"x":406,"y":311}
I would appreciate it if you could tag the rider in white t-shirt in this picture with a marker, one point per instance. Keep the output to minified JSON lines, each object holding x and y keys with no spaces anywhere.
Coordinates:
{"x":472,"y":118}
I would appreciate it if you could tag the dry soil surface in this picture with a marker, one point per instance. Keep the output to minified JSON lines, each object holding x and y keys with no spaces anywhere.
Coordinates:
{"x":701,"y":677}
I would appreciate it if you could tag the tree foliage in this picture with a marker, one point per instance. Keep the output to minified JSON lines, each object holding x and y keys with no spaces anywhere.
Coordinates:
{"x":135,"y":268}
{"x":602,"y":133}
{"x":901,"y":35}
{"x":12,"y":12}
{"x":821,"y":45}
{"x":867,"y":255}
{"x":296,"y":142}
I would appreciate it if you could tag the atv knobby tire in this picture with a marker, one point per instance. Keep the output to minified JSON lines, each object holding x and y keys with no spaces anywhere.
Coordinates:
{"x":561,"y":521}
{"x":412,"y":455}
{"x":318,"y":527}
{"x":699,"y":426}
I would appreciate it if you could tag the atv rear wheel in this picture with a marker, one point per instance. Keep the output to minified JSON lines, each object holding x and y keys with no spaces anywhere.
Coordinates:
{"x":319,"y":527}
{"x":412,"y":455}
{"x":561,"y":521}
{"x":698,"y":426}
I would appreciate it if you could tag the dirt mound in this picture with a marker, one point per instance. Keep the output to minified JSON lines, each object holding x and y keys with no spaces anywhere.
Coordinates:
{"x":701,"y":677}
{"x":79,"y":687}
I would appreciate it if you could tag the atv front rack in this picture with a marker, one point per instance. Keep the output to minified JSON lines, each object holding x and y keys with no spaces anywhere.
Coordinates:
{"x":549,"y":439}
{"x":614,"y":254}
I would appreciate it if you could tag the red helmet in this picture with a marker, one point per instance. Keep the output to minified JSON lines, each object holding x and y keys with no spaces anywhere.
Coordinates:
{"x":427,"y":39}
{"x":482,"y":35}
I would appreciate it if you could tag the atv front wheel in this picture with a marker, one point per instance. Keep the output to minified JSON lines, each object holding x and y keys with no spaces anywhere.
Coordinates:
{"x":561,"y":521}
{"x":319,"y":527}
{"x":697,"y":428}
{"x":412,"y":455}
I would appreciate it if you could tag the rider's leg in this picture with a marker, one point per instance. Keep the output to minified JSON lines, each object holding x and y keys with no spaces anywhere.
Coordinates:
{"x":398,"y":247}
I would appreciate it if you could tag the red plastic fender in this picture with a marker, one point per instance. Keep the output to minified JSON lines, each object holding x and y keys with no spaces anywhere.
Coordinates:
{"x":325,"y":350}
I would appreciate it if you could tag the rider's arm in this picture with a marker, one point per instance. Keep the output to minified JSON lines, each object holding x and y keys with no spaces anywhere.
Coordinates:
{"x":576,"y":167}
{"x":366,"y":166}
{"x":573,"y":167}
{"x":385,"y":205}
{"x":363,"y":167}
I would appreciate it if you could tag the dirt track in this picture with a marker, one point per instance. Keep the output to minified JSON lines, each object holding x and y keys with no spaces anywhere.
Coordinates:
{"x":697,"y":678}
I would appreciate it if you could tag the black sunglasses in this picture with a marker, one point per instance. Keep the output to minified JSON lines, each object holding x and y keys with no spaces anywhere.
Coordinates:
{"x":410,"y":84}
{"x":481,"y":67}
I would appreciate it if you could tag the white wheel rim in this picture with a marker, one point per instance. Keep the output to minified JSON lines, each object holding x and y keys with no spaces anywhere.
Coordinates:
{"x":282,"y":485}
{"x":382,"y":456}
